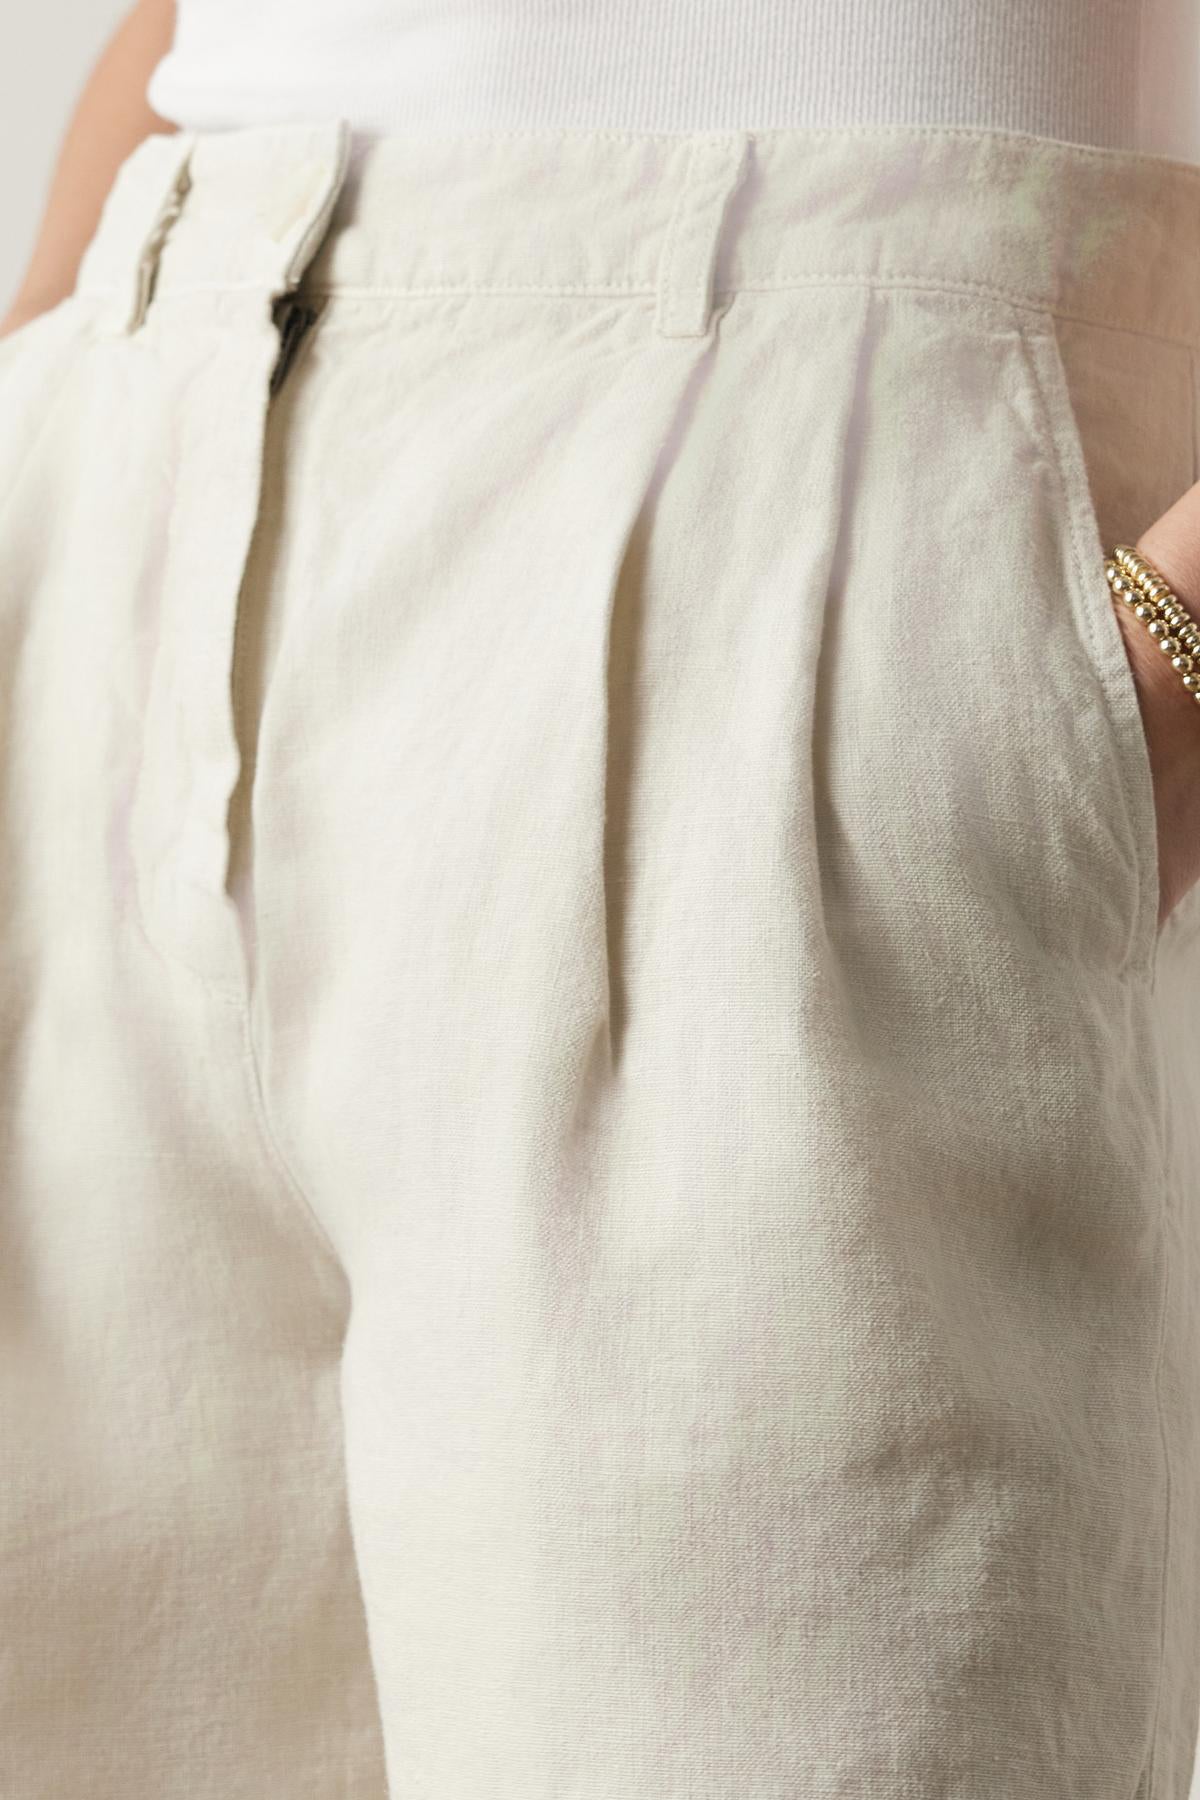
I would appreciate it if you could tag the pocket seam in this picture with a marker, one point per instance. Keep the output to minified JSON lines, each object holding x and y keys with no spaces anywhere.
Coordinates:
{"x":1109,"y":662}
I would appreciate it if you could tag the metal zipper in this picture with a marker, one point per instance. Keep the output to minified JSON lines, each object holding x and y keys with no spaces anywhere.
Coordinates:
{"x":294,"y":319}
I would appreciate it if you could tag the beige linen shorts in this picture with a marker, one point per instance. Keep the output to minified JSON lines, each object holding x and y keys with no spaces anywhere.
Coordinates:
{"x":600,"y":1142}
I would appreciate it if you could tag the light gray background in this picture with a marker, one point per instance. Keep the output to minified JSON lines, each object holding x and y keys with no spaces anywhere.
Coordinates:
{"x":47,"y":48}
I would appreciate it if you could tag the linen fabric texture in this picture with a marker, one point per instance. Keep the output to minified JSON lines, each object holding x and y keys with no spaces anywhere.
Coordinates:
{"x":599,"y":1135}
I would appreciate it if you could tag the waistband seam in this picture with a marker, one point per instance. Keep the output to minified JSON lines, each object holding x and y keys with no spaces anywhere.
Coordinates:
{"x":360,"y":142}
{"x":897,"y":129}
{"x":722,"y":295}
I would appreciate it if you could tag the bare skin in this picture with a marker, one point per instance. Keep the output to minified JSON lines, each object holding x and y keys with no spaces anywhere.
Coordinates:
{"x":112,"y":116}
{"x":1170,"y":716}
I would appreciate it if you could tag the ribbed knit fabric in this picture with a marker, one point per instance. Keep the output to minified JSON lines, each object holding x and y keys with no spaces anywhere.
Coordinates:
{"x":1107,"y":72}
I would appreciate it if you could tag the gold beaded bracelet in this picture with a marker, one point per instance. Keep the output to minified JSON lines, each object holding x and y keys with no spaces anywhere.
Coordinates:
{"x":1142,"y":589}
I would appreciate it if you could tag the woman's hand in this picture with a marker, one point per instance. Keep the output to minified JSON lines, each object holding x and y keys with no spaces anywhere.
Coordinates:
{"x":1170,"y":716}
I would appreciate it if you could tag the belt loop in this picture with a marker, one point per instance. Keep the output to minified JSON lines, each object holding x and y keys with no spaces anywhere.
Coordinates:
{"x":142,"y":204}
{"x":309,"y":190}
{"x":715,"y":166}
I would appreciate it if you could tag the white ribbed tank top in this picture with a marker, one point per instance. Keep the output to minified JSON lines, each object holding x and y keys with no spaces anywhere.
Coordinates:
{"x":1124,"y":73}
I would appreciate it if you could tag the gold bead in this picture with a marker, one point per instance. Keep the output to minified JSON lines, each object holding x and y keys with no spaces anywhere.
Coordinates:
{"x":1140,"y":586}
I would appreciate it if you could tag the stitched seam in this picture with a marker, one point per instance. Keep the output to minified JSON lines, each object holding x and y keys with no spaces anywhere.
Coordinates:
{"x":678,"y":298}
{"x":723,"y":295}
{"x":1144,"y":938}
{"x":1147,"y":1775}
{"x":665,"y":288}
{"x":1146,"y":1779}
{"x":1049,"y":146}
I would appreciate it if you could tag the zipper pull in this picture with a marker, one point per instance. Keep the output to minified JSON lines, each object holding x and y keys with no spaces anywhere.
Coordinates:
{"x":293,"y":318}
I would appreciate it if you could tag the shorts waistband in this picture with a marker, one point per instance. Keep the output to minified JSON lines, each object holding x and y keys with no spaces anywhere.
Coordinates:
{"x":685,"y":219}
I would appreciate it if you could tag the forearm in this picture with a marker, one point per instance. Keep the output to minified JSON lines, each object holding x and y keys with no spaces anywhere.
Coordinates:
{"x":110,"y":118}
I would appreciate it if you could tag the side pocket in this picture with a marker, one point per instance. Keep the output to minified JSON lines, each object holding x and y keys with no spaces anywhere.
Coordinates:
{"x":1094,"y":616}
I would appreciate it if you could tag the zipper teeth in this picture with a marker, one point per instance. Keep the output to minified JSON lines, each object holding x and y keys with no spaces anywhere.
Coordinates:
{"x":297,"y":319}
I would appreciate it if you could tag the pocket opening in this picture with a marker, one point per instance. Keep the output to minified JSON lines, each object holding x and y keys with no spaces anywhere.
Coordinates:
{"x":1094,"y":618}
